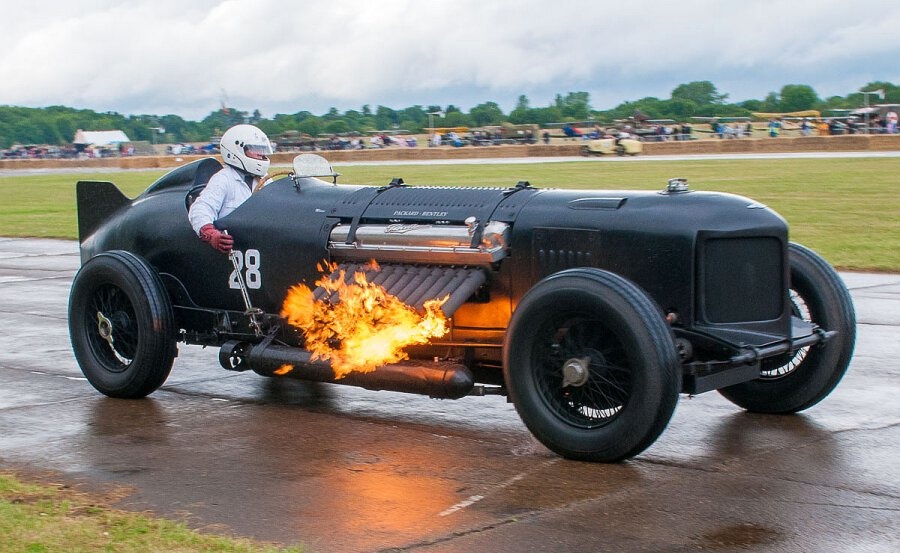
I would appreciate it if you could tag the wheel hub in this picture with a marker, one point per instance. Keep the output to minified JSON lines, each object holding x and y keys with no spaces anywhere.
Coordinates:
{"x":105,"y":328}
{"x":576,"y":371}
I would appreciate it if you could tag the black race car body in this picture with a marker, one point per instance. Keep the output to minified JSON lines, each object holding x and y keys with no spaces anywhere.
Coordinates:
{"x":591,"y":310}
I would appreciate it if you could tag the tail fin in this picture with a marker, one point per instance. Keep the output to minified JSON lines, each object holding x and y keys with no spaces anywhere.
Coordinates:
{"x":97,"y":201}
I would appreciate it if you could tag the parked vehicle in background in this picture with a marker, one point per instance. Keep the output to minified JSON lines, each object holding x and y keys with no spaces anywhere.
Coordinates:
{"x":610,"y":146}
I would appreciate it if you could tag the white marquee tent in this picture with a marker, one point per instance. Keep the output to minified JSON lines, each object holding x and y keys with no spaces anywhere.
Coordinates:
{"x":99,"y":138}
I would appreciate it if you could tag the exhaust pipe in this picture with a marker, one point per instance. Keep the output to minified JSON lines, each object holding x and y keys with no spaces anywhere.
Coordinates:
{"x":438,"y":379}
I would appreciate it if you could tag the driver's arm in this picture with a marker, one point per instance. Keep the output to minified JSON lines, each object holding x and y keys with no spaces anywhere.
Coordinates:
{"x":205,"y":210}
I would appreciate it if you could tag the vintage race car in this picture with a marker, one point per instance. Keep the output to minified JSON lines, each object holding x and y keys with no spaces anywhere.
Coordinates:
{"x":591,"y":310}
{"x":610,"y":146}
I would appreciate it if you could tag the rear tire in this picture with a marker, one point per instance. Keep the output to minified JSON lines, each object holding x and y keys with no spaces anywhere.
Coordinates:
{"x":591,"y":365}
{"x":121,"y":325}
{"x":792,"y":383}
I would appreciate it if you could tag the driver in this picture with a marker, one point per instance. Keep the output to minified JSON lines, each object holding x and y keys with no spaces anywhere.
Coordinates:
{"x":244,"y":149}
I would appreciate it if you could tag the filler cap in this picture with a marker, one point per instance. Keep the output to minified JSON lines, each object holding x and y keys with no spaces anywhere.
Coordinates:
{"x":677,"y":185}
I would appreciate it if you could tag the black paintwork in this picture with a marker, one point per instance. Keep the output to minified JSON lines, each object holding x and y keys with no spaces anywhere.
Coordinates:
{"x":688,"y":250}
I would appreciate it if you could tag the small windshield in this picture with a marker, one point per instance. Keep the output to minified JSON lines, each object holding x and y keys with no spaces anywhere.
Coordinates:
{"x":312,"y":165}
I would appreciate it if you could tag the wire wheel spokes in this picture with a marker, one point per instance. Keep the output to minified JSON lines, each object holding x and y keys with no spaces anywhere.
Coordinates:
{"x":582,"y":371}
{"x":112,"y":328}
{"x":785,"y":365}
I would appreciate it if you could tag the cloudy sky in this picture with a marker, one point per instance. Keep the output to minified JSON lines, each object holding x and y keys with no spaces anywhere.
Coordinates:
{"x":177,"y":57}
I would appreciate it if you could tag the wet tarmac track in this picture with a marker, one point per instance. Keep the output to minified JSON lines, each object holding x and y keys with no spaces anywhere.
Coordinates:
{"x":341,"y":469}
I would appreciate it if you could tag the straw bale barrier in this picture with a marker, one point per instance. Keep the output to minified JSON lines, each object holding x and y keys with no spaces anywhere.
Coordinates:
{"x":849,"y":143}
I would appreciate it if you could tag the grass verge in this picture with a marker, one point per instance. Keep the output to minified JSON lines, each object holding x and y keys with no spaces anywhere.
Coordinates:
{"x":53,"y":518}
{"x":847,"y":209}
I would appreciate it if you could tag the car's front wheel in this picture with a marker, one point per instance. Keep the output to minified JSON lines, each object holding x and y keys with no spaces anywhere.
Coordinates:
{"x":797,"y":381}
{"x":121,"y":325}
{"x":591,"y":365}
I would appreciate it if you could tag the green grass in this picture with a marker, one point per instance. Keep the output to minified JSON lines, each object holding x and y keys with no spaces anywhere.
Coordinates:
{"x":44,"y":205}
{"x":45,"y":519}
{"x":846,"y":209}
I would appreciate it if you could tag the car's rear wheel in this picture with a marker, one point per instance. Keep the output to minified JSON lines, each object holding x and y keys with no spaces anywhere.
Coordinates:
{"x":795,"y":382}
{"x":121,"y":325}
{"x":591,"y":365}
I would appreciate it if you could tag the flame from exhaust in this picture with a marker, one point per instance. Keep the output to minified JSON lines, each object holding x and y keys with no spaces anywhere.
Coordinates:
{"x":365,"y":328}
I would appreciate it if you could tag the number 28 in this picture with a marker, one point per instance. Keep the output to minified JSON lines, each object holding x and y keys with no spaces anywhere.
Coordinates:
{"x":248,"y":262}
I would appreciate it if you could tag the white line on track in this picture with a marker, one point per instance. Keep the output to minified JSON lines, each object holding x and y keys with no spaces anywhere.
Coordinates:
{"x":473,"y":499}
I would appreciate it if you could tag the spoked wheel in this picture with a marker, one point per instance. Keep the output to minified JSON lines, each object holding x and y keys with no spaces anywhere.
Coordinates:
{"x":584,"y":374}
{"x":116,"y":339}
{"x":121,"y":325}
{"x":591,"y":365}
{"x":797,"y":381}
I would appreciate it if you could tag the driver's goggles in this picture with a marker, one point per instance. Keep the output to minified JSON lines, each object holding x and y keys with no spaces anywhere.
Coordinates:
{"x":257,"y":151}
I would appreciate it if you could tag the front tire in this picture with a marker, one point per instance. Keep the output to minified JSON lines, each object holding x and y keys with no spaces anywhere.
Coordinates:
{"x":121,"y":325}
{"x":591,"y":365}
{"x":792,"y":383}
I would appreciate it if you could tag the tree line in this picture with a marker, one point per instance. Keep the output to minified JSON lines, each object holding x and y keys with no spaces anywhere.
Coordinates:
{"x":56,"y":125}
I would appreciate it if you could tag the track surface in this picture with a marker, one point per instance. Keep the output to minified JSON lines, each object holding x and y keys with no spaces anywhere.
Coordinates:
{"x":345,"y":470}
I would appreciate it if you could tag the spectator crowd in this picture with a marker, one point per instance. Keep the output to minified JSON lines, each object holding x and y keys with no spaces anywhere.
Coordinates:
{"x":648,"y":131}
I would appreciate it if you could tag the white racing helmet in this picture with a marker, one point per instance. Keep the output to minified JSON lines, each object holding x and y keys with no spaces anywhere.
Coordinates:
{"x":246,"y":147}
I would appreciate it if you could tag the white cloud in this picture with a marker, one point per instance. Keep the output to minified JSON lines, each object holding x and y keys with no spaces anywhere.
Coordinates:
{"x":164,"y":56}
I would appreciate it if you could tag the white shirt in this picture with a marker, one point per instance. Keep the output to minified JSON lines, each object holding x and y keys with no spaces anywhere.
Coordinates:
{"x":223,"y":194}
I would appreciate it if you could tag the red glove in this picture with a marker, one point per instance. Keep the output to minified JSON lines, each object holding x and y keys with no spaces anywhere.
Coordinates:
{"x":216,"y":238}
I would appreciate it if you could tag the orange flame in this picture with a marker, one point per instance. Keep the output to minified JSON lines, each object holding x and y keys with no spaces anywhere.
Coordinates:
{"x":284,"y":369}
{"x":366,"y":327}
